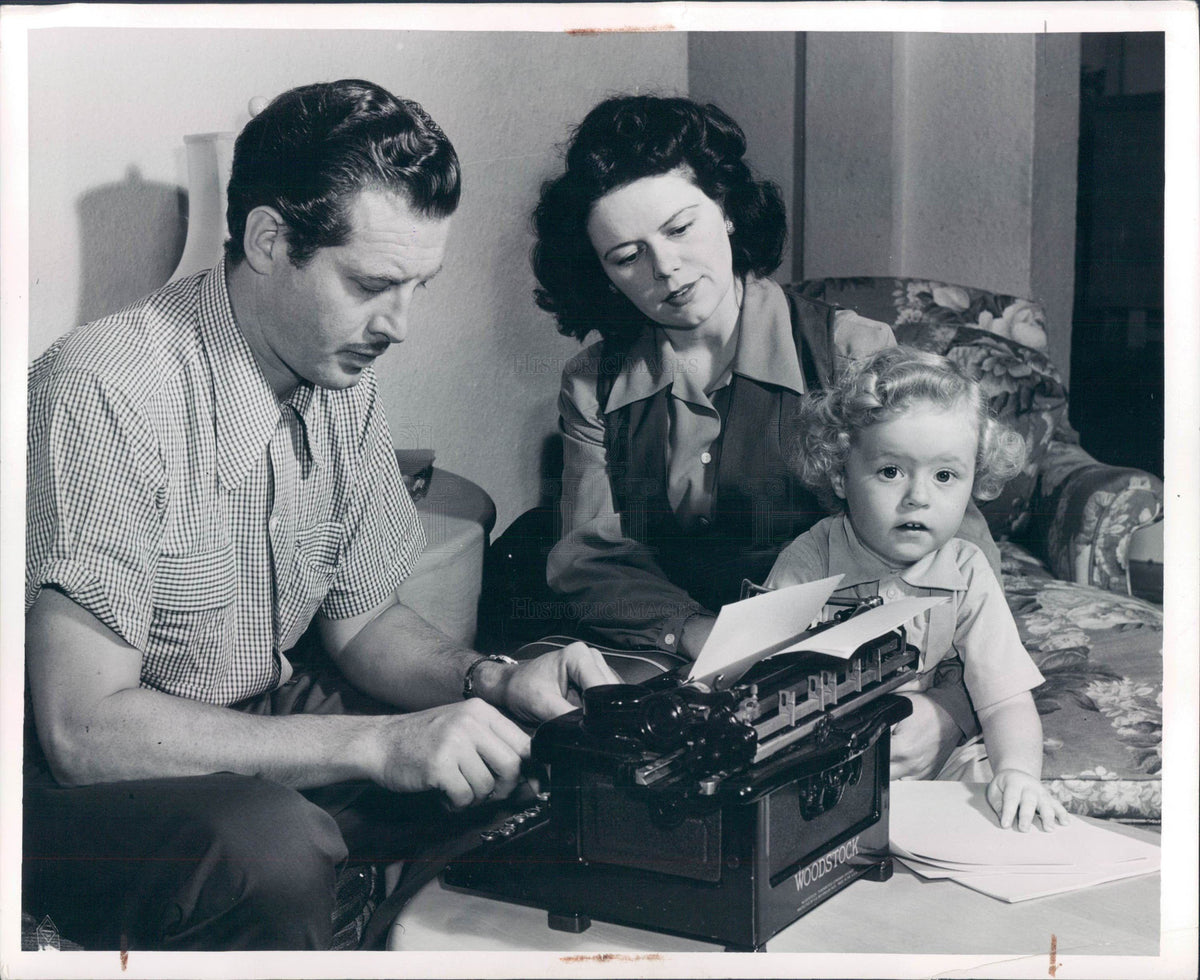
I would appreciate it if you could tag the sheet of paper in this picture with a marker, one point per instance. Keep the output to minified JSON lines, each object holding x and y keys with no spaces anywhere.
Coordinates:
{"x":745,"y":629}
{"x":952,"y":822}
{"x":951,"y":868}
{"x":842,"y":640}
{"x":1020,"y":888}
{"x":939,"y":869}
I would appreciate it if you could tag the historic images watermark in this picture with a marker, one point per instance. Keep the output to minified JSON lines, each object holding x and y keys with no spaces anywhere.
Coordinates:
{"x":616,"y":610}
{"x":597,"y":363}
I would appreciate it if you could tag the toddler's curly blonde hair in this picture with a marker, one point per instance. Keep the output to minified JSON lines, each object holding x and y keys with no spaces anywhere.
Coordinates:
{"x":881,"y":387}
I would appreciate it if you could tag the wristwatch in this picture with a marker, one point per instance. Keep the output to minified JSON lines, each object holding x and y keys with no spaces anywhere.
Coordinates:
{"x":469,"y":677}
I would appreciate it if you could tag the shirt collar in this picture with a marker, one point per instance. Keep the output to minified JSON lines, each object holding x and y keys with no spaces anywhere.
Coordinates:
{"x":244,"y":404}
{"x":765,"y":352}
{"x":848,"y":555}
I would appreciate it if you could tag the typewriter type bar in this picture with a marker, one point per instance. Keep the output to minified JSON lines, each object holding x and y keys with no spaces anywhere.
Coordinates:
{"x":795,"y":710}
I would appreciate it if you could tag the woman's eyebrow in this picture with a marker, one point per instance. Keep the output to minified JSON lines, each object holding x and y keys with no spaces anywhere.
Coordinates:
{"x":669,"y":220}
{"x":676,"y":215}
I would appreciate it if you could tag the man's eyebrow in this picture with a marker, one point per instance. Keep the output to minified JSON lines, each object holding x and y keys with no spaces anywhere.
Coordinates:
{"x":669,"y":220}
{"x":391,"y":279}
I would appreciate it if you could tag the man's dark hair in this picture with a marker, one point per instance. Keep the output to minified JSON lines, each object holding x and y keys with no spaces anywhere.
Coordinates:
{"x":313,"y":148}
{"x":621,"y":140}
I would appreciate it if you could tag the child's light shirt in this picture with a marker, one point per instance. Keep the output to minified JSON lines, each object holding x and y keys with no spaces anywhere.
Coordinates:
{"x":975,"y":625}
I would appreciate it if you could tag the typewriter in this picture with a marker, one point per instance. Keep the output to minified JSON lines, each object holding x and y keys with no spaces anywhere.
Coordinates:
{"x":721,"y":808}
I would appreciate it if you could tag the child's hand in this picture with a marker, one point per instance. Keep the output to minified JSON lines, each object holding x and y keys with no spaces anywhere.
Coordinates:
{"x":1013,"y":793}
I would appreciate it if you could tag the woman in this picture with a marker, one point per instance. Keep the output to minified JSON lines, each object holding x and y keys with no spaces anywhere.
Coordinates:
{"x":675,"y":488}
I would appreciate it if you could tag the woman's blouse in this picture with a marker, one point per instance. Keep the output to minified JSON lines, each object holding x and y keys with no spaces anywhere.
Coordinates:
{"x":642,"y":607}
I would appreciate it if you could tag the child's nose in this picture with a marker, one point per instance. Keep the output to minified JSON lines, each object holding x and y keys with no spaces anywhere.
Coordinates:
{"x":918,"y":493}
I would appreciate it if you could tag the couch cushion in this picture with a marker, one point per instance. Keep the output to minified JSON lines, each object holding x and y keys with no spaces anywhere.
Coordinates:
{"x":993,"y":337}
{"x":1101,"y":703}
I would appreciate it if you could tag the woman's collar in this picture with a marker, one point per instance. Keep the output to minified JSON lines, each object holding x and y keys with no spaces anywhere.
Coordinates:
{"x":766,"y":351}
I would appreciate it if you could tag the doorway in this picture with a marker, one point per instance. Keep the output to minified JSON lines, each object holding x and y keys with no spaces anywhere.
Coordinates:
{"x":1117,"y":378}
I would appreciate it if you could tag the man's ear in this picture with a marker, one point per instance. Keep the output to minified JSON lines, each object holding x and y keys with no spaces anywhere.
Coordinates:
{"x":837,"y":480}
{"x":265,"y":240}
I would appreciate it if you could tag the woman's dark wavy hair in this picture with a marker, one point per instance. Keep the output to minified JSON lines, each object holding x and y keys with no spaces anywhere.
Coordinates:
{"x":314,"y":147}
{"x":621,"y":140}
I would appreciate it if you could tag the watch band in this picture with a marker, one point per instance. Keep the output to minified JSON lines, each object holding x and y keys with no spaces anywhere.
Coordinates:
{"x":469,"y":678}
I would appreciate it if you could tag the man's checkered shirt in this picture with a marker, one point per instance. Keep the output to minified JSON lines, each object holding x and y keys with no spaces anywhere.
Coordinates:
{"x":173,"y":497}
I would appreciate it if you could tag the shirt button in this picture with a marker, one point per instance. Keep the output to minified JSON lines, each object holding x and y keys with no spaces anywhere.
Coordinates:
{"x":669,"y":639}
{"x":706,"y":457}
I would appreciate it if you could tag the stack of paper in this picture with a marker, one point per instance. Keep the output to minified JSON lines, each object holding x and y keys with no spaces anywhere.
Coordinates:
{"x":948,"y":830}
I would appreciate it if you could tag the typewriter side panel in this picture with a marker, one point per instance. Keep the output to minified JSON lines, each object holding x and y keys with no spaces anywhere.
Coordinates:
{"x":809,"y":853}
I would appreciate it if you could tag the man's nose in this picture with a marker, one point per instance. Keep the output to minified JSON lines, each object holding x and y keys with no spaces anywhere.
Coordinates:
{"x":392,"y":324}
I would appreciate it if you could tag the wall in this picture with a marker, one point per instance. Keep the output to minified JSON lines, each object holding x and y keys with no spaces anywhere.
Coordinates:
{"x":945,"y":156}
{"x":477,"y":380}
{"x":948,"y":156}
{"x":762,"y":101}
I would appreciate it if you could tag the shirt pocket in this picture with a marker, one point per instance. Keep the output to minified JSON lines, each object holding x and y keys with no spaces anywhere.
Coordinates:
{"x":195,"y":606}
{"x":316,"y":561}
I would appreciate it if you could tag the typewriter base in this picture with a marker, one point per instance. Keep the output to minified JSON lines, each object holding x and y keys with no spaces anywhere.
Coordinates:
{"x":774,"y":865}
{"x":576,"y":924}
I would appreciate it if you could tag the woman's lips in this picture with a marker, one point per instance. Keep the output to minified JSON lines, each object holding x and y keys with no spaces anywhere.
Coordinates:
{"x":680,"y":296}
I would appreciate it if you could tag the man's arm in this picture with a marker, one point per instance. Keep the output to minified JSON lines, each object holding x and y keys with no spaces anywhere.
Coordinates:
{"x":97,"y":725}
{"x":395,"y":656}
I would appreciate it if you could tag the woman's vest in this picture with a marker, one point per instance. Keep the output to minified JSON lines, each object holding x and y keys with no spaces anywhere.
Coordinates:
{"x":758,"y":504}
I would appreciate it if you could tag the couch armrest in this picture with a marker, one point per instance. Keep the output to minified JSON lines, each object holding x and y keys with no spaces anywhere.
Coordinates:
{"x":1084,"y":512}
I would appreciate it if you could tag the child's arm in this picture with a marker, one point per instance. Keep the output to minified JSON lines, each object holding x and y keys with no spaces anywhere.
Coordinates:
{"x":1012,"y":733}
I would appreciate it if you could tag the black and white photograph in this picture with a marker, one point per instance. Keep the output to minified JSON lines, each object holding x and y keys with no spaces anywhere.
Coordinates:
{"x":651,"y":489}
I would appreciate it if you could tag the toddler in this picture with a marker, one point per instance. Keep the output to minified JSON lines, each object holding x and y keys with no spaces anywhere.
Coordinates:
{"x":899,"y":445}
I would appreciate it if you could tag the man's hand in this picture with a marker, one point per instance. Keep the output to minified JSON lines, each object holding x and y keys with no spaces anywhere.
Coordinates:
{"x":923,"y":741}
{"x":467,"y":751}
{"x":1013,"y":793}
{"x":537,"y":690}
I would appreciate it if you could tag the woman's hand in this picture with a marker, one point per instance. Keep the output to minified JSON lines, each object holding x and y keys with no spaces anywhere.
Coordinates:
{"x":694,"y":634}
{"x":1013,"y":793}
{"x":540,"y":689}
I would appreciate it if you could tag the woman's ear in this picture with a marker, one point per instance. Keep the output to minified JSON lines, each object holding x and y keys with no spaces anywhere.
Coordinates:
{"x":265,"y":240}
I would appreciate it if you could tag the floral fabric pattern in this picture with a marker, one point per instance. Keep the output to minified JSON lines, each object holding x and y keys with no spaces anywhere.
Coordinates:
{"x":1094,"y":511}
{"x":1101,"y":703}
{"x":1063,"y":527}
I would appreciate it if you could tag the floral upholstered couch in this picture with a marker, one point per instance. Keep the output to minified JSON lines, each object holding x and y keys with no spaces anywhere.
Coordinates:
{"x":1063,"y":527}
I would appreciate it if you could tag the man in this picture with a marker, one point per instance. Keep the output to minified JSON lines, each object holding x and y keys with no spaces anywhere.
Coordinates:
{"x":209,"y":469}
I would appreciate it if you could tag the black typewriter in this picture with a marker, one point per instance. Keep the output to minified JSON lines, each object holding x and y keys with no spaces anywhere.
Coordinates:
{"x":718,"y":812}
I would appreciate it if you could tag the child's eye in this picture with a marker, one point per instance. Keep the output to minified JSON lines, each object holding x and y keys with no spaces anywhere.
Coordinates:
{"x":944,"y":476}
{"x":889,"y":472}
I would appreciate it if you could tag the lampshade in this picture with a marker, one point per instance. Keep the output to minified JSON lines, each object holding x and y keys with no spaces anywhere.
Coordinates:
{"x":209,"y":158}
